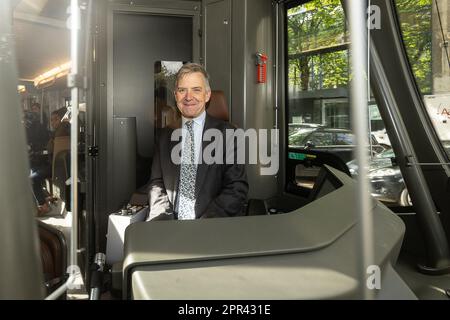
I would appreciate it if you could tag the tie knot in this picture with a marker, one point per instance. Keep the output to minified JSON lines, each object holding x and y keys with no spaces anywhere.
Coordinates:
{"x":189,"y":124}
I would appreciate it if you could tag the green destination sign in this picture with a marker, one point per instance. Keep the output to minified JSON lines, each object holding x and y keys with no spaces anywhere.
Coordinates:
{"x":300,"y":156}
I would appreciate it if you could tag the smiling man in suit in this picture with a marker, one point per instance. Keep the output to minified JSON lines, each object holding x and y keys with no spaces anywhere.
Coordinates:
{"x":193,"y":189}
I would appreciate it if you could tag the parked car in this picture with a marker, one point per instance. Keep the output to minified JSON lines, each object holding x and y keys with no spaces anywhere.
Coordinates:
{"x":338,"y":141}
{"x":382,"y":138}
{"x":386,"y":179}
{"x":446,"y":145}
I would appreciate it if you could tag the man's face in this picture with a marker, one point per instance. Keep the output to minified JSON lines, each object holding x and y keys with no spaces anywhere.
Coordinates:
{"x":35,"y":109}
{"x":191,"y":95}
{"x":55,"y":121}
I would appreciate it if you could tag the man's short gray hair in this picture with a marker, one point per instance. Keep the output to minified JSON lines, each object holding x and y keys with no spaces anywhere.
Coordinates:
{"x":189,"y":68}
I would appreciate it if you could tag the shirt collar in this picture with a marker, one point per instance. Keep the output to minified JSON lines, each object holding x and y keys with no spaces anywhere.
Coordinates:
{"x":200,"y":120}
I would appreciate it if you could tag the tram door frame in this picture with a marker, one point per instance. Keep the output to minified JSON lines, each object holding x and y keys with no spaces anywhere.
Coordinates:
{"x":101,"y":130}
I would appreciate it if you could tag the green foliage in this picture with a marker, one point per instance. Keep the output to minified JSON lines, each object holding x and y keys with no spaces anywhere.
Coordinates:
{"x":415,"y":20}
{"x":312,"y":29}
{"x":316,"y":29}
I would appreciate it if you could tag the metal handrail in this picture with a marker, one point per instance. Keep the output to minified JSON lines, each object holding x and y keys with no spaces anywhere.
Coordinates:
{"x":359,"y":108}
{"x":72,"y":269}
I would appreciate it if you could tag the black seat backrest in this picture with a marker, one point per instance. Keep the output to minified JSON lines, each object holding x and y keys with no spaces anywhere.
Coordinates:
{"x":53,"y":251}
{"x":217,"y":106}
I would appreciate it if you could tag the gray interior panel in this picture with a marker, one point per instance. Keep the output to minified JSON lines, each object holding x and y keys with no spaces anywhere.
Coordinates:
{"x":139,"y":41}
{"x":124,"y":160}
{"x":217,"y":38}
{"x":309,"y":228}
{"x":328,"y":273}
{"x":299,"y":255}
{"x":393,"y":287}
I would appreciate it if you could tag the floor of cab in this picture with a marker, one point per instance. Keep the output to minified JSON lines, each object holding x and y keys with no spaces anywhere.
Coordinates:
{"x":425,"y":287}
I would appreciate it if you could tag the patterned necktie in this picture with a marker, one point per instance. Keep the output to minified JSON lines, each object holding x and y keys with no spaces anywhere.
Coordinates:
{"x":188,"y":172}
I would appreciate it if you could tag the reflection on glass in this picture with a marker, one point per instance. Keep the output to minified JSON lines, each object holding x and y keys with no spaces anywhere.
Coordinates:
{"x":166,"y":112}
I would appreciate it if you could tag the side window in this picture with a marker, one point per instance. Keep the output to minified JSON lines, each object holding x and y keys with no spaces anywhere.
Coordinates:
{"x":318,"y":108}
{"x":425,"y":32}
{"x":317,"y":71}
{"x":345,"y":139}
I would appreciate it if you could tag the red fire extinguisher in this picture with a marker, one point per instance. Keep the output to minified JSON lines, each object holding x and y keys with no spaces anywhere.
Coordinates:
{"x":261,"y":64}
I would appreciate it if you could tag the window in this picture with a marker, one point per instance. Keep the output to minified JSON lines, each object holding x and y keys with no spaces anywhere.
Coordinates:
{"x":317,"y":71}
{"x":425,"y":36}
{"x":317,"y":46}
{"x":318,"y":110}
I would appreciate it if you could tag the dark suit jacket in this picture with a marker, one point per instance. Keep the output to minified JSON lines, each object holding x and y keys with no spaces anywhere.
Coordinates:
{"x":221,"y":189}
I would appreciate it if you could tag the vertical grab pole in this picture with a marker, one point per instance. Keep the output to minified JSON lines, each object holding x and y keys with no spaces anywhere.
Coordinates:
{"x":74,"y":84}
{"x":368,"y":83}
{"x":359,"y":108}
{"x":277,"y":61}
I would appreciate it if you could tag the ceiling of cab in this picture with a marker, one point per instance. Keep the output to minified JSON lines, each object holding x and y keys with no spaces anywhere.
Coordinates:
{"x":41,"y":37}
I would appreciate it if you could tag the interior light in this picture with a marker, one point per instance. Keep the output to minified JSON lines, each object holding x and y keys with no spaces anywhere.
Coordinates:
{"x":53,"y":74}
{"x":21,"y":88}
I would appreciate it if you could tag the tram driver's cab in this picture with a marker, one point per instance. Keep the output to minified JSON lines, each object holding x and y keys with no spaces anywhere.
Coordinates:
{"x":299,"y":236}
